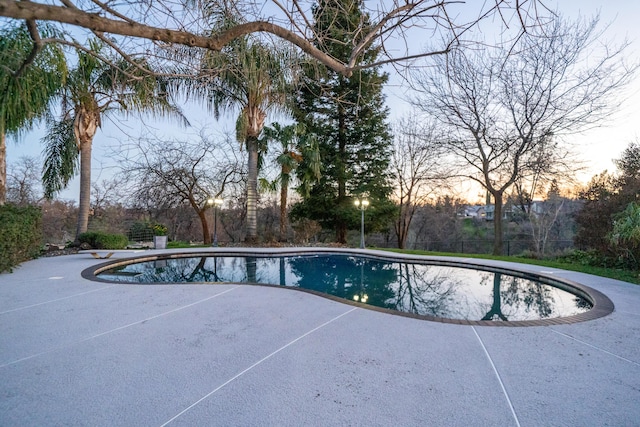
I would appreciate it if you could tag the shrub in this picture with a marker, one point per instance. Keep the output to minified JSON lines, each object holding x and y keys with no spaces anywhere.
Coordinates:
{"x":591,"y":257}
{"x":626,"y":228}
{"x":159,"y":229}
{"x":20,"y":235}
{"x":100,"y":240}
{"x":625,"y":236}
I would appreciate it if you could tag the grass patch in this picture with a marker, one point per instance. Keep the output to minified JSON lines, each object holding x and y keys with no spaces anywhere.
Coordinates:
{"x":181,"y":245}
{"x":611,"y":273}
{"x":101,"y":240}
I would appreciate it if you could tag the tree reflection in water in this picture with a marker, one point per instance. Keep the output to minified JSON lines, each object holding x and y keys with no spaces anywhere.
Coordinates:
{"x":424,"y":290}
{"x":345,"y":277}
{"x":518,"y":297}
{"x":182,"y":270}
{"x":446,"y":292}
{"x":496,"y":307}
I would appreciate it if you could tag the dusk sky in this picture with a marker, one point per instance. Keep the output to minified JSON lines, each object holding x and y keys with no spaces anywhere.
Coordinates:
{"x":597,"y":147}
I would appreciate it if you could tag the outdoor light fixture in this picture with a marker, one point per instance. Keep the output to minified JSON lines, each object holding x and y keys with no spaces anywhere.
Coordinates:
{"x":216,"y":203}
{"x":361,"y":298}
{"x":362,"y":204}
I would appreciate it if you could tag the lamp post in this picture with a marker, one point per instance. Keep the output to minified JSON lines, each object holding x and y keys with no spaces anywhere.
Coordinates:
{"x":362,"y":204}
{"x":215,"y":203}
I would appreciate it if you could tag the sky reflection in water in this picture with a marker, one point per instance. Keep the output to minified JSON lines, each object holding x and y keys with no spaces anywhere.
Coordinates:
{"x":446,"y":292}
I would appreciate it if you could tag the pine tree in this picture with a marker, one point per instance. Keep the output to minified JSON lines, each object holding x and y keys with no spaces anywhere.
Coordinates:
{"x":349,"y":117}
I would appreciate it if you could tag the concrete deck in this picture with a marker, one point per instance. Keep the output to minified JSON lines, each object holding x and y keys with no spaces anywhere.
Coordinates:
{"x":78,"y":352}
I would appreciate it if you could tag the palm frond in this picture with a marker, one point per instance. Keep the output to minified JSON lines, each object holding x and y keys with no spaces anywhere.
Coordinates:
{"x":60,"y":158}
{"x":135,"y":88}
{"x":26,"y":98}
{"x":266,"y":186}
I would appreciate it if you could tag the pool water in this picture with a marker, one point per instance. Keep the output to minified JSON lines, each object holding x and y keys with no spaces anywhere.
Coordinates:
{"x":410,"y":287}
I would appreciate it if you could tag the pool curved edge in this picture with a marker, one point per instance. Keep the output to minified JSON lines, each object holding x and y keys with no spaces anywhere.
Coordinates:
{"x":602,"y":305}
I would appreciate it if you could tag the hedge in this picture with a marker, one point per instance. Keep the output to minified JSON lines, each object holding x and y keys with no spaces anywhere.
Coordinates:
{"x":100,"y":240}
{"x":20,"y":235}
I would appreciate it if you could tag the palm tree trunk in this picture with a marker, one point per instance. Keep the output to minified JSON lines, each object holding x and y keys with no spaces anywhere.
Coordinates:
{"x":3,"y":169}
{"x":85,"y":126}
{"x":252,"y":190}
{"x":283,"y":212}
{"x":84,"y":202}
{"x":341,"y":224}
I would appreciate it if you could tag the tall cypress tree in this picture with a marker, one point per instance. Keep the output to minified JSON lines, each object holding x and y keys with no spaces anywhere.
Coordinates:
{"x":349,"y":117}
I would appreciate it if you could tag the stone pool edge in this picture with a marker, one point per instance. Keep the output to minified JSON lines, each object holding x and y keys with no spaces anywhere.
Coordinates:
{"x":602,"y":305}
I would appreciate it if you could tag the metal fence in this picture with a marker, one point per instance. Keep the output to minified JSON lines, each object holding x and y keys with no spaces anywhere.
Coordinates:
{"x":479,"y":246}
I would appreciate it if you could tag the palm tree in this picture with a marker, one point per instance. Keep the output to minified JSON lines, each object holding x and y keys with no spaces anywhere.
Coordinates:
{"x":95,"y":88}
{"x":250,"y":76}
{"x":30,"y":74}
{"x":296,"y":146}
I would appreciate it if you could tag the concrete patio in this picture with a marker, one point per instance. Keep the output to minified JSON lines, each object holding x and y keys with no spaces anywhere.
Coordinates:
{"x":79,"y":352}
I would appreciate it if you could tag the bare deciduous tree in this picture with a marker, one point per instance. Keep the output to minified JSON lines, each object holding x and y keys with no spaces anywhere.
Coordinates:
{"x":177,"y":171}
{"x":107,"y":192}
{"x":417,"y":170}
{"x":23,"y":183}
{"x":436,"y":225}
{"x":58,"y":221}
{"x":507,"y":109}
{"x":544,"y":217}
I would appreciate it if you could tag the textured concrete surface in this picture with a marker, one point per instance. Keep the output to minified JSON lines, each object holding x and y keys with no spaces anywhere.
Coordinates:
{"x":78,"y":352}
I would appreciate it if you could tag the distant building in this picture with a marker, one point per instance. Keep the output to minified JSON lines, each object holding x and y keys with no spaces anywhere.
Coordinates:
{"x":476,"y":211}
{"x":490,"y":212}
{"x":536,"y":208}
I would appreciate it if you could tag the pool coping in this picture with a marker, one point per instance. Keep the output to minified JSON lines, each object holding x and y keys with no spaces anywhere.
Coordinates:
{"x":601,"y":304}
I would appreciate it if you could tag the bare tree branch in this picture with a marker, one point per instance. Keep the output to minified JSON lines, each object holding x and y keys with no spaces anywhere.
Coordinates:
{"x":91,"y":21}
{"x":508,"y":108}
{"x":291,"y":25}
{"x":37,"y":45}
{"x":183,"y":171}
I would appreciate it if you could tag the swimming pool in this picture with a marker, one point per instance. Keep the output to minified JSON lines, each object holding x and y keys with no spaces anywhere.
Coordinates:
{"x":435,"y":290}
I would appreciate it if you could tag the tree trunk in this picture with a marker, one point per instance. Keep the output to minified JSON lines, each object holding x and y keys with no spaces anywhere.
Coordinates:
{"x":283,"y":212}
{"x":255,"y":116}
{"x":85,"y":126}
{"x":402,"y":225}
{"x":84,"y":201}
{"x":252,"y":190}
{"x":341,"y":225}
{"x":3,"y":169}
{"x":206,"y":233}
{"x":497,"y":223}
{"x":402,"y":241}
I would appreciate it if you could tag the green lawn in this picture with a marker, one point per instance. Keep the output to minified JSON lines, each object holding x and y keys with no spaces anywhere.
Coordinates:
{"x":613,"y":273}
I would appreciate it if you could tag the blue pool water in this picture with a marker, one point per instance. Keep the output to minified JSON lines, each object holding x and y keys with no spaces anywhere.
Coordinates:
{"x":417,"y":288}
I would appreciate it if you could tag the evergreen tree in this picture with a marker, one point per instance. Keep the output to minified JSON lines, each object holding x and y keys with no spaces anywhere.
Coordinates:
{"x":349,"y":117}
{"x":629,"y":167}
{"x":605,"y":197}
